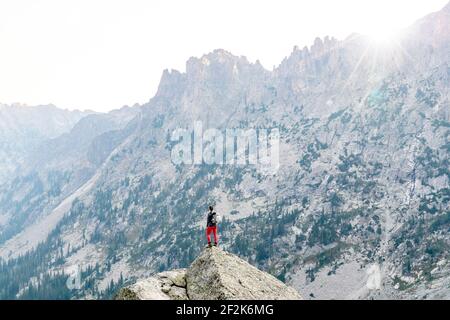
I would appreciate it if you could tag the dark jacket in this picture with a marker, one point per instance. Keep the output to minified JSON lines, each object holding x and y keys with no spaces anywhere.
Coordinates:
{"x":209,"y":220}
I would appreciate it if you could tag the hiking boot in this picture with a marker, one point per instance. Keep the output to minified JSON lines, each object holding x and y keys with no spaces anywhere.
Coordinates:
{"x":209,"y":244}
{"x":215,"y":244}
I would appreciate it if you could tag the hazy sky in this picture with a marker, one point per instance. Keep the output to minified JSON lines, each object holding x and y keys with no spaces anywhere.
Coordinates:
{"x":103,"y":54}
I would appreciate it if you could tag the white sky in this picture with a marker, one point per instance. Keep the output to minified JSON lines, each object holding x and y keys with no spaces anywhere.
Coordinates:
{"x":103,"y":54}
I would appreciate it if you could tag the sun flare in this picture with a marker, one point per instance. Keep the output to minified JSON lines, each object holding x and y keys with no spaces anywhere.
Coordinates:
{"x":383,"y":36}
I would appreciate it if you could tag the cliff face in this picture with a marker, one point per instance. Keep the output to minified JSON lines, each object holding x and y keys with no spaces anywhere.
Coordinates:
{"x":214,"y":275}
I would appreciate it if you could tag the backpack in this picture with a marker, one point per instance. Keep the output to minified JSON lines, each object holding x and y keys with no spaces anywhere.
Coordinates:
{"x":214,"y":218}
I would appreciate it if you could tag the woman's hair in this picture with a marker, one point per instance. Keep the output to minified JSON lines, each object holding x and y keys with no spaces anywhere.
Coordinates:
{"x":211,"y":208}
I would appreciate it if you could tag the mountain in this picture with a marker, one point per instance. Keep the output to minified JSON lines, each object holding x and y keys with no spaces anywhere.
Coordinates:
{"x":214,"y":275}
{"x":23,"y":127}
{"x":53,"y":173}
{"x":358,"y":207}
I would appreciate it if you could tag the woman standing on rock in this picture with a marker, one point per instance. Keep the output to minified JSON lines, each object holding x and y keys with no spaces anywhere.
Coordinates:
{"x":211,"y":226}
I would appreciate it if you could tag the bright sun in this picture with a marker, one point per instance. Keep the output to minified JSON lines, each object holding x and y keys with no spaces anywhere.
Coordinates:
{"x":381,"y":29}
{"x":383,"y":36}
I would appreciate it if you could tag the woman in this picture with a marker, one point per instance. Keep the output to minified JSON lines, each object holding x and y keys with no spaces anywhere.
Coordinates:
{"x":211,"y":226}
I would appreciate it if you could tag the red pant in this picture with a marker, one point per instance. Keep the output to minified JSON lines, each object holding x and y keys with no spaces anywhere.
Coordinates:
{"x":208,"y":232}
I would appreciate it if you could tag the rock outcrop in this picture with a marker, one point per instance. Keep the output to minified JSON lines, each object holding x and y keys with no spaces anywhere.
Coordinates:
{"x":168,"y":285}
{"x":214,"y":275}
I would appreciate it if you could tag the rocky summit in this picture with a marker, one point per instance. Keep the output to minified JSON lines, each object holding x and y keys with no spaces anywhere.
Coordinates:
{"x":214,"y":275}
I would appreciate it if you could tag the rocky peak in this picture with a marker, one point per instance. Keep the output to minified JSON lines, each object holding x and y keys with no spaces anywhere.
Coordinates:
{"x":218,"y":71}
{"x":303,"y":60}
{"x":172,"y":83}
{"x":429,"y":40}
{"x":447,"y":8}
{"x":217,"y":57}
{"x":220,"y":64}
{"x":214,"y":275}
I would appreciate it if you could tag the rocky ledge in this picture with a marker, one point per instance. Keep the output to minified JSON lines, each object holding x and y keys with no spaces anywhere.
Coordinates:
{"x":214,"y":275}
